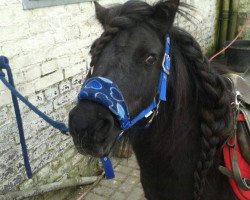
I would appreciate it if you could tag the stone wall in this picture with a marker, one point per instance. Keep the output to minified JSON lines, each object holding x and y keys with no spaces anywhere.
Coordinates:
{"x":48,"y":52}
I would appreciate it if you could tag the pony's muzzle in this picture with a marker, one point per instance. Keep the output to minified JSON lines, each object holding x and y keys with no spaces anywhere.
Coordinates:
{"x":92,"y":128}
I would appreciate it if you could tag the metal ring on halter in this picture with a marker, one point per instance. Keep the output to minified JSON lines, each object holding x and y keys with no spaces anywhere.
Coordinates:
{"x":231,"y":145}
{"x":246,"y":182}
{"x":121,"y":133}
{"x":166,"y":71}
{"x":237,"y":102}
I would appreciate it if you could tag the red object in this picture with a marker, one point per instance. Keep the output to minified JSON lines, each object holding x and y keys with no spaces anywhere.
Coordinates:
{"x":241,"y":118}
{"x":243,"y":166}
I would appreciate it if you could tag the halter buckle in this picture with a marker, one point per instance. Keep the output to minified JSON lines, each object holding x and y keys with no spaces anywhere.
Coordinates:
{"x":166,"y":71}
{"x":237,"y":101}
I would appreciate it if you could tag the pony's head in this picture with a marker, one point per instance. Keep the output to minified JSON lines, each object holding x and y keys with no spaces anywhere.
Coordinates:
{"x":130,"y":53}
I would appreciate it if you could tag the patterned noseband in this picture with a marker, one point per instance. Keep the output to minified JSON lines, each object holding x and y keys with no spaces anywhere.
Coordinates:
{"x":106,"y":93}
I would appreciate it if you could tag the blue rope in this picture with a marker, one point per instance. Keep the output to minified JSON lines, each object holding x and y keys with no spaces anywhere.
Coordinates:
{"x":4,"y":64}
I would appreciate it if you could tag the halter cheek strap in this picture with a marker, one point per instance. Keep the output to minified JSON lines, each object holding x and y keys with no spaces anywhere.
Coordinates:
{"x":163,"y":82}
{"x":108,"y":94}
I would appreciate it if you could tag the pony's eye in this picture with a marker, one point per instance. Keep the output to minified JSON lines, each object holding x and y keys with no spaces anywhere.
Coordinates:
{"x":150,"y":60}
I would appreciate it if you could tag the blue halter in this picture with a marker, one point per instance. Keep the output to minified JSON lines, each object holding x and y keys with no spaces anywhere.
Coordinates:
{"x":107,"y":93}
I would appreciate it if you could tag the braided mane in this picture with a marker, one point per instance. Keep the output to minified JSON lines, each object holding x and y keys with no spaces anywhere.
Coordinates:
{"x":210,"y":91}
{"x":213,"y":105}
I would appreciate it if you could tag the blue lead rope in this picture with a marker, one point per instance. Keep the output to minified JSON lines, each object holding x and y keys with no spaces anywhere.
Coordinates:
{"x":4,"y":65}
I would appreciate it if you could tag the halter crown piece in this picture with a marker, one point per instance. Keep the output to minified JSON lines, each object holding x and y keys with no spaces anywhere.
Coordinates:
{"x":105,"y":92}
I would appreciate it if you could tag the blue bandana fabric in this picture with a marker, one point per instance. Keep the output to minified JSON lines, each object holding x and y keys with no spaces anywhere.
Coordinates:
{"x":106,"y":93}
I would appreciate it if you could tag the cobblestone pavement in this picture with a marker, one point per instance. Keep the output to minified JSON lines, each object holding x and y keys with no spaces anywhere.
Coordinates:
{"x":125,"y":186}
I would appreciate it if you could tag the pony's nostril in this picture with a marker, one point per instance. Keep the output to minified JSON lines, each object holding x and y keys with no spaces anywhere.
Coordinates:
{"x":100,"y":124}
{"x":102,"y":129}
{"x":103,"y":125}
{"x":76,"y":123}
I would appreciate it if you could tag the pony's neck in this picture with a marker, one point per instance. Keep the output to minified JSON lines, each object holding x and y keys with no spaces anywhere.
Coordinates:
{"x":167,"y":153}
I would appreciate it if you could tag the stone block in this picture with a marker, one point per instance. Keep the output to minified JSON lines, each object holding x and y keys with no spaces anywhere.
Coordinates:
{"x":48,"y":67}
{"x":11,"y":48}
{"x":24,"y":60}
{"x":42,"y":161}
{"x":46,"y":81}
{"x":26,"y":89}
{"x":111,"y":183}
{"x":64,"y":86}
{"x":10,"y":156}
{"x":37,"y":99}
{"x":11,"y":183}
{"x":120,"y":177}
{"x":124,"y":169}
{"x":41,"y":26}
{"x":18,"y":77}
{"x":3,"y":88}
{"x":69,"y":153}
{"x":9,"y":32}
{"x":43,"y":174}
{"x":101,"y":190}
{"x":32,"y":72}
{"x":5,"y":98}
{"x":37,"y":152}
{"x":47,"y":108}
{"x":6,"y":146}
{"x":118,"y":196}
{"x":39,"y":41}
{"x":92,"y":196}
{"x":63,"y":62}
{"x":136,"y":194}
{"x":76,"y":159}
{"x":62,"y":100}
{"x":26,"y":184}
{"x":4,"y":116}
{"x":51,"y":92}
{"x":77,"y":81}
{"x":128,"y":184}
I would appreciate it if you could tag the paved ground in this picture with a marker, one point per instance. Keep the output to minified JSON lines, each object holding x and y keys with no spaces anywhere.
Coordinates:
{"x":126,"y":185}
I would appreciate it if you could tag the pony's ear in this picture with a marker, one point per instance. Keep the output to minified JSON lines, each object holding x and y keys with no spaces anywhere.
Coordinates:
{"x":164,"y":12}
{"x":100,"y":13}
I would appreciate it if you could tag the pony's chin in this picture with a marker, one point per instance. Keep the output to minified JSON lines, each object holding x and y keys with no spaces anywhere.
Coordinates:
{"x":97,"y":152}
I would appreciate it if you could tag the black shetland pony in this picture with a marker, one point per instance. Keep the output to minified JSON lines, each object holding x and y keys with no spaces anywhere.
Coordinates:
{"x":180,"y":151}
